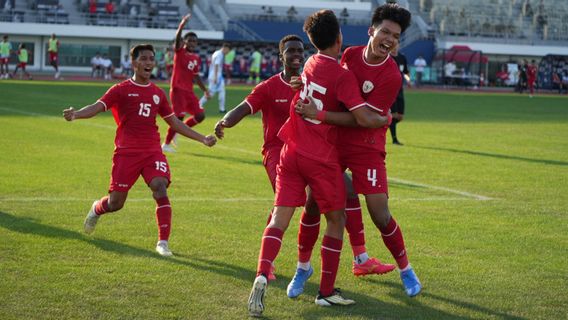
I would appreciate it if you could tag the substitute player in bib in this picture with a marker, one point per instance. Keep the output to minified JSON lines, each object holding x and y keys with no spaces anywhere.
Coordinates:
{"x":53,"y":50}
{"x":362,"y":150}
{"x":186,"y":70}
{"x":5,"y":51}
{"x":309,"y":158}
{"x":135,"y":103}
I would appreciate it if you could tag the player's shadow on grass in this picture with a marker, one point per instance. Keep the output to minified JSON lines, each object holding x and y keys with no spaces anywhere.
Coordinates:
{"x":367,"y":307}
{"x":495,"y":155}
{"x":226,"y":158}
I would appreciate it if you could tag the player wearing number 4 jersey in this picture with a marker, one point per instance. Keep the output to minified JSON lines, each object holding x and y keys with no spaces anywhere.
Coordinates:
{"x":309,"y":158}
{"x":135,"y":103}
{"x":362,"y":150}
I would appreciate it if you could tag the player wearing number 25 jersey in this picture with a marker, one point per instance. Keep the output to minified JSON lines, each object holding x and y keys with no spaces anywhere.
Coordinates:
{"x":135,"y":103}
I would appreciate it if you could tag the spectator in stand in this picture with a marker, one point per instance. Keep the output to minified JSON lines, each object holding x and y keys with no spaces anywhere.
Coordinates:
{"x":292,"y":14}
{"x":92,"y":11}
{"x":419,"y":65}
{"x":22,"y":61}
{"x":109,"y":7}
{"x":344,"y":14}
{"x":228,"y":67}
{"x":108,"y":68}
{"x":531,"y":77}
{"x":126,"y":66}
{"x":5,"y":51}
{"x":97,"y":65}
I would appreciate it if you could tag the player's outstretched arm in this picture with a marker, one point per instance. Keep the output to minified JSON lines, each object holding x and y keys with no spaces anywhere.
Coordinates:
{"x":185,"y":130}
{"x":182,"y":23}
{"x":86,"y":112}
{"x":232,"y":118}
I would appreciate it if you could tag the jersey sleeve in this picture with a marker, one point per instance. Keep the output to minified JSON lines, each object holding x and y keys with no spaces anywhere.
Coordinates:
{"x":348,"y":91}
{"x":258,"y":97}
{"x":164,"y":109}
{"x":384,"y":94}
{"x":111,"y":99}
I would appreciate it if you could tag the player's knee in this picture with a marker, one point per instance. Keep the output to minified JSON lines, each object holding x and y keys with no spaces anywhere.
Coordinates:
{"x":115,"y":204}
{"x":159,"y":187}
{"x":200,"y":117}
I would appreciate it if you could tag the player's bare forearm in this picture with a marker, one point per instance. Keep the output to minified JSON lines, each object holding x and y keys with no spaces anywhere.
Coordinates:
{"x":186,"y":131}
{"x":232,"y":118}
{"x":310,"y":111}
{"x":200,"y":84}
{"x":368,"y":118}
{"x":86,"y":112}
{"x":178,"y":43}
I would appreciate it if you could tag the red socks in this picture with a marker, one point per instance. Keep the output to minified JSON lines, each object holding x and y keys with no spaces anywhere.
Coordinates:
{"x":164,"y":217}
{"x":307,"y":235}
{"x":392,"y":237}
{"x":330,"y":254}
{"x":354,"y":226}
{"x":271,"y":243}
{"x":102,"y":206}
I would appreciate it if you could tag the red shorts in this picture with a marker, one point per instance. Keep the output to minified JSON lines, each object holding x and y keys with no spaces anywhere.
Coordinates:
{"x":184,"y":102}
{"x":126,"y":168}
{"x":53,"y":57}
{"x":4,"y":60}
{"x":368,"y":169}
{"x":22,"y":65}
{"x":270,"y":160}
{"x":295,"y":172}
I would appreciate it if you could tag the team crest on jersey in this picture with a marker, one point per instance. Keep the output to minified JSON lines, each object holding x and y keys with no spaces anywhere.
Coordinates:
{"x":156,"y":99}
{"x":368,"y":86}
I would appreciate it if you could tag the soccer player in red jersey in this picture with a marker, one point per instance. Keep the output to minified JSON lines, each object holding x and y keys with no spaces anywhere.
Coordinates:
{"x":309,"y":158}
{"x":135,"y":103}
{"x":362,"y":150}
{"x":531,"y":76}
{"x":186,"y":69}
{"x":273,"y":98}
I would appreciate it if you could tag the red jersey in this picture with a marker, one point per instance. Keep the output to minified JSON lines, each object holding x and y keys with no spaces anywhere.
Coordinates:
{"x":186,"y":67}
{"x":135,"y":107}
{"x":531,"y":73}
{"x":379,"y":84}
{"x":330,"y":86}
{"x":272,"y":97}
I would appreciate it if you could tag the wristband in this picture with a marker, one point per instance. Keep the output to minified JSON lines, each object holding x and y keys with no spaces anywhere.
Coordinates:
{"x":321,"y":115}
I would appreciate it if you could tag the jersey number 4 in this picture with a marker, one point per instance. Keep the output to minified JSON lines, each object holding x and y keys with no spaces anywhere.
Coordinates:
{"x":144,"y":109}
{"x":308,"y":91}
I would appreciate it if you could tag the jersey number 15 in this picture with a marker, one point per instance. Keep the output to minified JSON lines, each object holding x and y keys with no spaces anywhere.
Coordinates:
{"x":308,"y":91}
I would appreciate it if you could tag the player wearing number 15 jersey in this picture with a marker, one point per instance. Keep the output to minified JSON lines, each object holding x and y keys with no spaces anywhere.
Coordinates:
{"x":135,"y":103}
{"x":309,"y":158}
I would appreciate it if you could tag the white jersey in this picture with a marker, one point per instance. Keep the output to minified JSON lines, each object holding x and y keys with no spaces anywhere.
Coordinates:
{"x":217,"y":59}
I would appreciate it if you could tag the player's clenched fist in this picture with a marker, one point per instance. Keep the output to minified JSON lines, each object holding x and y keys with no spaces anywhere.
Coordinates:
{"x":210,"y":140}
{"x":69,"y":114}
{"x":219,"y":129}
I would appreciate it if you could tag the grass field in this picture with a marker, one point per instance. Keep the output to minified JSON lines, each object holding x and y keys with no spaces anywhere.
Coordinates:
{"x":480,"y":189}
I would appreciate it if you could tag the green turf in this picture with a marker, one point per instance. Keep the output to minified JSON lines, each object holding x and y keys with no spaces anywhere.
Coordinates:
{"x":502,"y":258}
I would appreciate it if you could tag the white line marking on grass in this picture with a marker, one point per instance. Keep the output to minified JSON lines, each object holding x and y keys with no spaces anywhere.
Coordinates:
{"x":463,"y":193}
{"x":185,"y":199}
{"x":454,"y":191}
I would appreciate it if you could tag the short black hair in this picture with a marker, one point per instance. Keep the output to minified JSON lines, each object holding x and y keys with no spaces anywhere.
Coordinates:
{"x":189,"y":34}
{"x":322,"y":28}
{"x":290,"y":37}
{"x":135,"y":51}
{"x":394,"y":13}
{"x":227,"y":45}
